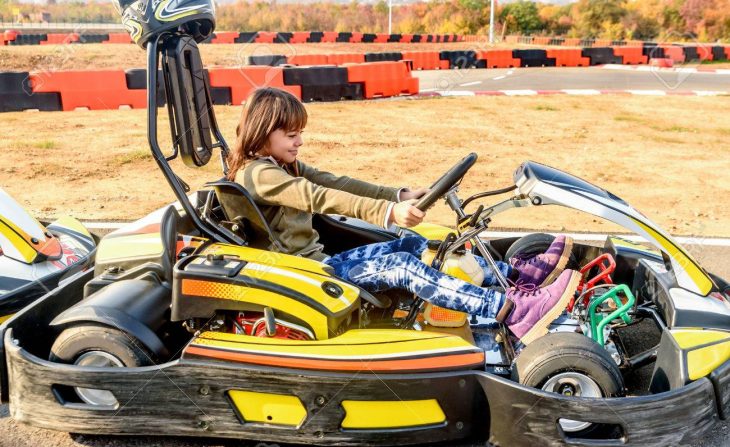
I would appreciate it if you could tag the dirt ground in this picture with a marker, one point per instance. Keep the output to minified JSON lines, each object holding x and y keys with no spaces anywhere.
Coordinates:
{"x":99,"y":56}
{"x":664,"y":155}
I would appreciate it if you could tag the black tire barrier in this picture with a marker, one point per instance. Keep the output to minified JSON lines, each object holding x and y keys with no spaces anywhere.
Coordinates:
{"x":246,"y":37}
{"x":429,"y":38}
{"x":92,"y":38}
{"x":268,"y":59}
{"x":653,"y":52}
{"x":17,"y":95}
{"x":322,"y":83}
{"x":137,"y":80}
{"x":395,"y":38}
{"x":618,"y":43}
{"x":460,"y":59}
{"x":368,"y":38}
{"x":602,"y":55}
{"x":315,"y":37}
{"x":691,"y":54}
{"x":283,"y":37}
{"x":343,"y":37}
{"x":382,"y":57}
{"x":718,"y":53}
{"x":416,"y":38}
{"x":29,"y":39}
{"x":533,"y":58}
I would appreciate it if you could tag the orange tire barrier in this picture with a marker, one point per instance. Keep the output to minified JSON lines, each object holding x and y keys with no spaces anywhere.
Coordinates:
{"x":119,"y":38}
{"x":95,"y":90}
{"x":10,"y":35}
{"x":381,"y":38}
{"x":356,"y":38}
{"x":345,"y":58}
{"x":568,"y":57}
{"x":244,"y":80}
{"x":58,"y":38}
{"x":541,"y":40}
{"x":498,"y":58}
{"x":299,"y":37}
{"x":634,"y":43}
{"x":602,"y":43}
{"x":424,"y":60}
{"x":225,"y":37}
{"x":308,"y":59}
{"x":383,"y":78}
{"x":406,"y":38}
{"x":329,"y":36}
{"x":705,"y":52}
{"x":571,"y":42}
{"x":727,"y":53}
{"x":265,"y":37}
{"x":631,"y":55}
{"x":676,"y":54}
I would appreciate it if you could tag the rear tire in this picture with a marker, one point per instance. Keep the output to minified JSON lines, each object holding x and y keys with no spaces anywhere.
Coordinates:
{"x":77,"y":340}
{"x":573,"y":365}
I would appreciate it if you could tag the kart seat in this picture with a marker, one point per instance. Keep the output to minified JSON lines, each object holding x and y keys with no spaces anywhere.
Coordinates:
{"x":246,"y":218}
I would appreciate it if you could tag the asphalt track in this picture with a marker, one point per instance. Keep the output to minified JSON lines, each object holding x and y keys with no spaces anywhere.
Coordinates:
{"x":14,"y":434}
{"x":552,"y":78}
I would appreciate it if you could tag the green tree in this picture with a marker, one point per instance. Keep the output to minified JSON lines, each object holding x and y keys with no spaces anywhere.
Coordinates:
{"x":594,"y":16}
{"x":525,"y":15}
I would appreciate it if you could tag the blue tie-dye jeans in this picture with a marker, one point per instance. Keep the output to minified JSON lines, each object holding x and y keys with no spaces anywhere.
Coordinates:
{"x":397,"y":264}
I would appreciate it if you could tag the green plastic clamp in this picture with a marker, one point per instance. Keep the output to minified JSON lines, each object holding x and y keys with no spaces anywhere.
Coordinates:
{"x":622,"y":311}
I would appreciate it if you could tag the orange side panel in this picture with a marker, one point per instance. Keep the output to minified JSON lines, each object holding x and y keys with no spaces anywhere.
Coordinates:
{"x":225,"y":37}
{"x":383,"y":78}
{"x":265,"y":37}
{"x":345,"y":58}
{"x":423,"y":60}
{"x":465,"y":360}
{"x":119,"y":38}
{"x":329,"y":36}
{"x":631,"y":55}
{"x":94,"y":89}
{"x":307,"y":59}
{"x":498,"y":58}
{"x":568,"y":57}
{"x":244,"y":80}
{"x":299,"y":37}
{"x":356,"y":38}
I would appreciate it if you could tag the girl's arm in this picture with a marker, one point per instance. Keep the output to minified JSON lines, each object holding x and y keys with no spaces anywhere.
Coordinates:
{"x":348,"y":184}
{"x":271,"y":185}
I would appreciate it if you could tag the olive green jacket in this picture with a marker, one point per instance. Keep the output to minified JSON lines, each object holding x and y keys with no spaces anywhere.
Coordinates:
{"x":287,"y":197}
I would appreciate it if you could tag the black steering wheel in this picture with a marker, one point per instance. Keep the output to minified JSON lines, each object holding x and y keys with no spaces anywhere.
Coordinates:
{"x":446,"y":182}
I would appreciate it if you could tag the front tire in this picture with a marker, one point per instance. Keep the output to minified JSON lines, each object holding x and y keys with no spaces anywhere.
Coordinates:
{"x":570,"y":364}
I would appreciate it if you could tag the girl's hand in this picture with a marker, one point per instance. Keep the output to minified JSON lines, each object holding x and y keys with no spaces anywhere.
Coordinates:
{"x":404,"y":214}
{"x":407,"y":194}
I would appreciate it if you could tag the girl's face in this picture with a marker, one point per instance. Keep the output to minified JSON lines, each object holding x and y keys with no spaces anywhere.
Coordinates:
{"x":284,"y":145}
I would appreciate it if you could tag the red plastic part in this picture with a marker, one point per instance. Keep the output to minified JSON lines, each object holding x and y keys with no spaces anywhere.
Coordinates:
{"x":631,"y":55}
{"x":299,"y":37}
{"x":265,"y":37}
{"x":329,"y":36}
{"x":60,"y":38}
{"x":244,"y":80}
{"x":225,"y":37}
{"x":606,"y":266}
{"x":498,"y":58}
{"x":381,"y":38}
{"x":356,"y":38}
{"x":95,"y":90}
{"x":383,"y":78}
{"x":423,"y":60}
{"x":568,"y":57}
{"x":675,"y":53}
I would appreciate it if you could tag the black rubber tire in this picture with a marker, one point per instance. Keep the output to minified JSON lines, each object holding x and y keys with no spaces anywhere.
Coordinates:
{"x":77,"y":340}
{"x":534,"y":244}
{"x":559,"y":352}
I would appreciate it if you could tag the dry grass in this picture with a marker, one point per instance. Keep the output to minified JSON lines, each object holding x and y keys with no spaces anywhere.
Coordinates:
{"x":100,"y":56}
{"x":94,"y":165}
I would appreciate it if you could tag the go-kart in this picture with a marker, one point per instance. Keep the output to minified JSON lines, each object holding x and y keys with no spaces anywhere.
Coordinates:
{"x":194,"y":323}
{"x":35,"y":257}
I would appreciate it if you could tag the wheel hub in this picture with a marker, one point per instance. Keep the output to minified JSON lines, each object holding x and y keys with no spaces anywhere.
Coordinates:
{"x":573,"y":384}
{"x":97,"y":359}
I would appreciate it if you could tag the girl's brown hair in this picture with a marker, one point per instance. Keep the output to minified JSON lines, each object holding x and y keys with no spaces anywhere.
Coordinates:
{"x":267,"y":110}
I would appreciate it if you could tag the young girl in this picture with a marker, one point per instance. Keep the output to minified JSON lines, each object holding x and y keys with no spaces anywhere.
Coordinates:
{"x":264,"y":160}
